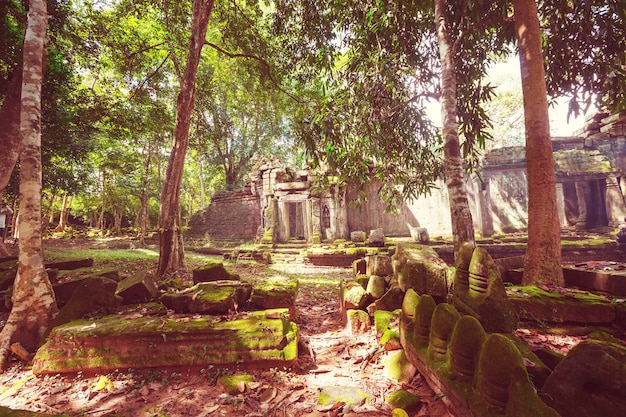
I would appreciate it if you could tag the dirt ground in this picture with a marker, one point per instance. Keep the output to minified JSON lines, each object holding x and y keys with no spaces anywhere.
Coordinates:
{"x":330,"y":357}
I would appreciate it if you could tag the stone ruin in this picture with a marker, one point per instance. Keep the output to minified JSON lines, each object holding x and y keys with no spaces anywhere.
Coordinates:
{"x":280,"y":204}
{"x":219,"y":320}
{"x":458,"y":326}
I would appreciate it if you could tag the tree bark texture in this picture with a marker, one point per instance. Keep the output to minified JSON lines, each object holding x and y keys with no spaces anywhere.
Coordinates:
{"x":461,"y":217}
{"x":171,"y":254}
{"x":34,"y":304}
{"x":543,"y":254}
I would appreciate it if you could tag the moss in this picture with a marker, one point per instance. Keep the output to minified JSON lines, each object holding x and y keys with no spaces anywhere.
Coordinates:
{"x":403,"y":399}
{"x":398,"y":412}
{"x":409,"y":303}
{"x":348,"y":395}
{"x":235,"y":384}
{"x":538,"y":294}
{"x":444,"y":318}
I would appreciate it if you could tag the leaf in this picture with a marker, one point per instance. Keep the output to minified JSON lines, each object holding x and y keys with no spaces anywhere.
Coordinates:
{"x":102,"y":383}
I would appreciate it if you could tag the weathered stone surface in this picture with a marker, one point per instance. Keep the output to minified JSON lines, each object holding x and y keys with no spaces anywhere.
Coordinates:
{"x":523,"y":398}
{"x":92,"y":294}
{"x":613,"y":282}
{"x":276,"y":292}
{"x":137,"y":288}
{"x":118,"y":342}
{"x":376,"y":238}
{"x":466,"y":341}
{"x":403,"y":399}
{"x":422,"y":320}
{"x":387,"y":328}
{"x":419,"y":267}
{"x":378,"y":265}
{"x":357,"y":236}
{"x":359,"y":267}
{"x":396,"y":366}
{"x":444,"y":319}
{"x":212,"y":271}
{"x":498,"y":359}
{"x":390,"y":301}
{"x":533,"y":303}
{"x":483,"y":295}
{"x":215,"y":297}
{"x":590,"y":381}
{"x":353,"y":296}
{"x":358,"y":321}
{"x":376,"y":286}
{"x":70,"y":264}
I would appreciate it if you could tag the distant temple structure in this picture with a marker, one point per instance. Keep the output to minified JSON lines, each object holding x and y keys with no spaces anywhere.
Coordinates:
{"x":280,"y":204}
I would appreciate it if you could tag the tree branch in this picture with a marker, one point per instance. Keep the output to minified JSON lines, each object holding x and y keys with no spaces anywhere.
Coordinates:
{"x":150,"y":75}
{"x":262,"y":61}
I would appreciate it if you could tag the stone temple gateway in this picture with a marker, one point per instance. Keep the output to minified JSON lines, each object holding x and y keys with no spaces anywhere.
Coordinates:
{"x":280,"y":204}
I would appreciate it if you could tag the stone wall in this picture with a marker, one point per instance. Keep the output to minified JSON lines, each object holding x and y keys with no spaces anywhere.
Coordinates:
{"x":231,"y":216}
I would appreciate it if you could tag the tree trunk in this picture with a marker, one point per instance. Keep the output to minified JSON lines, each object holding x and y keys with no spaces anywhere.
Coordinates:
{"x":543,"y":254}
{"x":171,"y":254}
{"x":34,"y":304}
{"x":461,"y":217}
{"x":63,"y":215}
{"x":48,"y":216}
{"x":145,"y":197}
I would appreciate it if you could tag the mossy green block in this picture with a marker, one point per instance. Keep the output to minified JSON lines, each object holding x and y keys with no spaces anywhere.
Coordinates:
{"x":348,"y":395}
{"x":386,"y":320}
{"x":398,"y":367}
{"x":403,"y":399}
{"x":231,"y":383}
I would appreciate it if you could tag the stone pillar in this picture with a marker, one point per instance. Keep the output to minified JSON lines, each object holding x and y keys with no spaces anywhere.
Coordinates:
{"x":282,"y":222}
{"x":615,"y":207}
{"x":316,"y":214}
{"x":560,"y":204}
{"x":583,"y":193}
{"x":485,"y":218}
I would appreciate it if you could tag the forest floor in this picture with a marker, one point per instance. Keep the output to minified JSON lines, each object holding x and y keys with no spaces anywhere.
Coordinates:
{"x":335,"y":358}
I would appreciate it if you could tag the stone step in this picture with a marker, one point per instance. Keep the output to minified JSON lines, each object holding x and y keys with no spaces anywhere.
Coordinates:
{"x":263,"y":338}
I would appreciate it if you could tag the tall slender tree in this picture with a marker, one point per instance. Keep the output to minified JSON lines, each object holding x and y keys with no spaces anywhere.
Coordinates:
{"x":34,"y":304}
{"x":543,"y":255}
{"x":171,"y":252}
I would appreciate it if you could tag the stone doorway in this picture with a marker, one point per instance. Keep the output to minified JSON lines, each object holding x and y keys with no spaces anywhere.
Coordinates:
{"x":296,"y":220}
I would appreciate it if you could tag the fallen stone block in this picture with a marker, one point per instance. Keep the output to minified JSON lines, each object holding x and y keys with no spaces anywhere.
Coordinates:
{"x":264,"y":338}
{"x":137,"y":288}
{"x":70,"y":264}
{"x":93,"y":293}
{"x":358,"y":321}
{"x":419,"y":267}
{"x":216,"y":297}
{"x":213,"y":271}
{"x":378,"y":265}
{"x":276,"y":292}
{"x":534,"y":303}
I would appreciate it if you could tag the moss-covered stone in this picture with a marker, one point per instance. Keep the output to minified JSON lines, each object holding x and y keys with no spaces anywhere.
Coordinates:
{"x":276,"y":292}
{"x":419,"y":267}
{"x":391,"y":300}
{"x":403,"y":399}
{"x":523,"y":399}
{"x":358,"y":321}
{"x":376,"y":286}
{"x":137,"y":288}
{"x":534,"y":303}
{"x":498,"y":359}
{"x":349,"y":395}
{"x":93,"y":294}
{"x":485,"y":297}
{"x":409,"y":303}
{"x":397,"y":366}
{"x":212,"y":271}
{"x":444,"y":319}
{"x":466,"y":341}
{"x":216,"y":297}
{"x":354,"y":296}
{"x":235,"y":384}
{"x":421,"y":322}
{"x":119,"y":342}
{"x":398,"y":412}
{"x":590,"y":381}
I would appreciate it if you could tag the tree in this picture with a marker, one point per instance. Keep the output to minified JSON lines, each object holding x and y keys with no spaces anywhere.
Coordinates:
{"x":34,"y":304}
{"x":542,"y":263}
{"x":171,"y":251}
